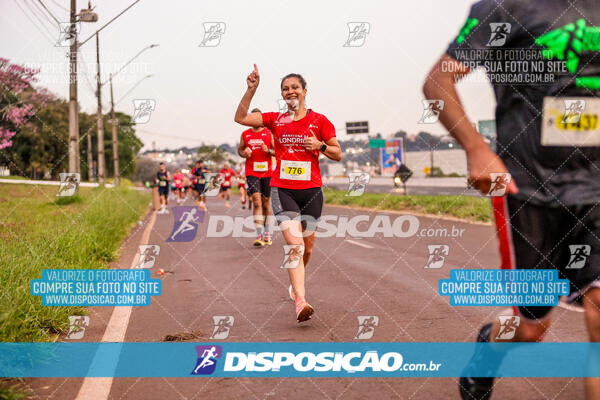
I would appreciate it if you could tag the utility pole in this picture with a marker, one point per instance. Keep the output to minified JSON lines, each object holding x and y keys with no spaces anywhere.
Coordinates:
{"x":99,"y":119}
{"x":74,"y":164}
{"x":115,"y":139}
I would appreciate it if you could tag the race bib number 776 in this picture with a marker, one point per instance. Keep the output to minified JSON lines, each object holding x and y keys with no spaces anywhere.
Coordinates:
{"x":295,"y":170}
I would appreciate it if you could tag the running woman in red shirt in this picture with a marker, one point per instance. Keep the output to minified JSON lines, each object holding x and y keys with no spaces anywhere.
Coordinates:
{"x":225,"y":191}
{"x":296,"y":196}
{"x":257,"y":147}
{"x":178,"y":181}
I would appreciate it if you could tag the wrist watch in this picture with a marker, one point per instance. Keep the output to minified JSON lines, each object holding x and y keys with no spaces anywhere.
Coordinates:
{"x":323,"y":148}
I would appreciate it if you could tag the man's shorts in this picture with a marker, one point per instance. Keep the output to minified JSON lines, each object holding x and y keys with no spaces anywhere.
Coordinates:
{"x":303,"y":204}
{"x":224,"y":188}
{"x":199,"y":187}
{"x":163,"y":190}
{"x":539,"y":237}
{"x":256,"y":184}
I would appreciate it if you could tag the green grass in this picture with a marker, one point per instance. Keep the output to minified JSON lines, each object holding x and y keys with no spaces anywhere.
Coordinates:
{"x":463,"y":207}
{"x":14,"y":177}
{"x":40,"y":231}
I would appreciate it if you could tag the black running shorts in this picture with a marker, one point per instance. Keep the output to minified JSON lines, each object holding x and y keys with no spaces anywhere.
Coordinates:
{"x":256,"y":184}
{"x":303,"y":204}
{"x":562,"y":238}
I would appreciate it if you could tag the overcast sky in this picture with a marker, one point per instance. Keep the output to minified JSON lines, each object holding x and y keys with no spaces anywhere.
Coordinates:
{"x":197,"y":89}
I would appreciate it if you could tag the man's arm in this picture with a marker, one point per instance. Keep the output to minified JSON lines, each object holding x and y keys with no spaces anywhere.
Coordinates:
{"x":481,"y":160}
{"x":243,"y":150}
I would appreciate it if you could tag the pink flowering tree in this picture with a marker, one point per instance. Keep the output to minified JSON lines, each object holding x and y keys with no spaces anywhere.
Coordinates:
{"x":19,"y":101}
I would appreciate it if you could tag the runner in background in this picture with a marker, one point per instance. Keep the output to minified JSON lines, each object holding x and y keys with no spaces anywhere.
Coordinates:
{"x":257,"y":147}
{"x":227,"y":173}
{"x":547,"y":143}
{"x":162,"y":180}
{"x":199,"y":181}
{"x":178,"y":182}
{"x":187,"y":184}
{"x":300,"y":137}
{"x":241,"y":182}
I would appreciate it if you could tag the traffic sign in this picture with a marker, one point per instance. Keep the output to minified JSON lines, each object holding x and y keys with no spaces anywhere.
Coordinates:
{"x":357,"y":127}
{"x":376,"y":143}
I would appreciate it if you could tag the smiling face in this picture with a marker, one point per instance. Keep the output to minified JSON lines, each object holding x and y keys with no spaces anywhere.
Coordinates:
{"x":293,"y":93}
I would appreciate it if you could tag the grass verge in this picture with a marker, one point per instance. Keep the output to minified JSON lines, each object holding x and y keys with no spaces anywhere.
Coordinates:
{"x":40,"y":231}
{"x":463,"y":207}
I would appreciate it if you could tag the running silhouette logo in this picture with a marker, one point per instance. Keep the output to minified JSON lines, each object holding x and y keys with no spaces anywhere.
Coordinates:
{"x":77,"y":325}
{"x":213,"y":31}
{"x":573,"y":110}
{"x":223,"y":325}
{"x":142,"y":109}
{"x":431,"y":111}
{"x":499,"y":183}
{"x":366,"y":326}
{"x":579,"y":255}
{"x":292,"y":253}
{"x":499,"y":34}
{"x":67,"y":34}
{"x":437,"y":255}
{"x":187,"y":219}
{"x":69,"y":184}
{"x":508,"y":326}
{"x":207,"y":359}
{"x":147,"y":257}
{"x":357,"y":34}
{"x":358,"y":182}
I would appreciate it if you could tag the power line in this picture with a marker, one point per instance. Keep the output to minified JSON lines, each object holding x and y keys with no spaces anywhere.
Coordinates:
{"x":34,"y":24}
{"x":39,"y":12}
{"x":49,"y":12}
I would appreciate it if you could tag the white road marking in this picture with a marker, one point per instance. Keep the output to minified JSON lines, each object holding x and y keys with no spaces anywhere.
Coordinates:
{"x":366,"y":246}
{"x":99,"y":388}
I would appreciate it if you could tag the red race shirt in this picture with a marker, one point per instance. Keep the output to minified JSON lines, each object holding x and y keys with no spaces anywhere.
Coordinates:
{"x":259,"y":163}
{"x":297,"y":168}
{"x":227,"y":174}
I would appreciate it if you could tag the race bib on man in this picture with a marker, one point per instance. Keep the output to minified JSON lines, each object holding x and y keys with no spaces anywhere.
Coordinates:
{"x":262,"y":166}
{"x":570,"y":121}
{"x":162,"y":183}
{"x":295,"y":170}
{"x":201,"y":181}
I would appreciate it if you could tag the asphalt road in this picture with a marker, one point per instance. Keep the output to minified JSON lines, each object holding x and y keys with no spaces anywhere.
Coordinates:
{"x":347,"y":277}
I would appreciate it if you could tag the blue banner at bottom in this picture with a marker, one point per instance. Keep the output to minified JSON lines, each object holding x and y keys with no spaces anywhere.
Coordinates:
{"x":299,"y":359}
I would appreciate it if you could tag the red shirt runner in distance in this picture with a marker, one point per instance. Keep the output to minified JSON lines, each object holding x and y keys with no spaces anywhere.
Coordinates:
{"x":227,"y":174}
{"x":259,"y":163}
